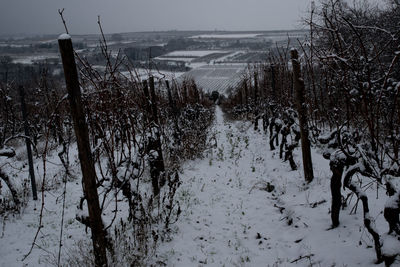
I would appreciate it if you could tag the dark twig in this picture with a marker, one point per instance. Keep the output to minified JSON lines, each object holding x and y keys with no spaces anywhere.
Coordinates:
{"x":61,"y":12}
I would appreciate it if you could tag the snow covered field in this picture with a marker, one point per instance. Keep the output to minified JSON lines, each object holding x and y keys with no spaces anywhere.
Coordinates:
{"x":193,"y":57}
{"x":32,"y":59}
{"x":184,"y":59}
{"x":219,"y":78}
{"x":242,"y":206}
{"x":227,"y":36}
{"x":192,"y":53}
{"x":140,"y":73}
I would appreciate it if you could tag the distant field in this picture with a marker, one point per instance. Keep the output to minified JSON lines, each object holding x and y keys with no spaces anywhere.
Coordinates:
{"x":211,"y":57}
{"x":184,"y":59}
{"x":246,"y":57}
{"x":142,"y":74}
{"x":14,"y":45}
{"x":219,"y":78}
{"x":34,"y":58}
{"x":192,"y":53}
{"x":227,"y":36}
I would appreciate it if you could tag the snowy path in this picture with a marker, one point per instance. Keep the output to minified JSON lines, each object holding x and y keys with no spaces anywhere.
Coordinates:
{"x":228,"y":220}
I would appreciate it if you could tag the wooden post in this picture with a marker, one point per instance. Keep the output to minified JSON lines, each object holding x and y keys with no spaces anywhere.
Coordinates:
{"x":240,"y":98}
{"x":273,"y":86}
{"x":176,"y":97}
{"x":265,"y":83}
{"x":298,"y":84}
{"x":85,"y":153}
{"x":28,"y":142}
{"x":147,"y":100}
{"x":153,"y":101}
{"x":170,"y":100}
{"x":246,"y":96}
{"x":157,"y":168}
{"x":185,"y":94}
{"x":256,"y":101}
{"x":196,"y":92}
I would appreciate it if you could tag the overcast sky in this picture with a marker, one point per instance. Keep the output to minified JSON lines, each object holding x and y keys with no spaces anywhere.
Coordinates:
{"x":41,"y":16}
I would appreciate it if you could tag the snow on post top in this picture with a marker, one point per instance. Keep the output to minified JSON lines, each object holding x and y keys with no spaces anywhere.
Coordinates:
{"x":64,"y":36}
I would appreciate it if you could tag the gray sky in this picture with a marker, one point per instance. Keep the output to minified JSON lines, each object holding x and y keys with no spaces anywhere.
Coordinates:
{"x":41,"y":16}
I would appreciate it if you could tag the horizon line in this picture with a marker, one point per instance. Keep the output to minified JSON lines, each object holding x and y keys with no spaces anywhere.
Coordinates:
{"x":148,"y":31}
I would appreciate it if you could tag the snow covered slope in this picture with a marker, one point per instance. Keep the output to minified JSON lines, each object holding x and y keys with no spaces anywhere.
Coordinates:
{"x":242,"y":206}
{"x":230,"y":218}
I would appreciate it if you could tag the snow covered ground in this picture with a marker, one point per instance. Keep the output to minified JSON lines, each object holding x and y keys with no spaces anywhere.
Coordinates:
{"x":141,"y":73}
{"x":217,"y":77}
{"x":31,"y":59}
{"x":18,"y":231}
{"x":184,"y":59}
{"x":194,"y":57}
{"x":242,"y":206}
{"x":230,"y":218}
{"x":192,"y":53}
{"x":227,"y":36}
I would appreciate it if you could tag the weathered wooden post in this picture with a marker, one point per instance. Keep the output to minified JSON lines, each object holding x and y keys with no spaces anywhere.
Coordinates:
{"x":298,"y":84}
{"x":174,"y":110}
{"x":85,"y":153}
{"x":273,"y":85}
{"x":28,"y":141}
{"x":153,"y":101}
{"x":256,"y":111}
{"x":157,"y":168}
{"x":240,"y":98}
{"x":147,"y":100}
{"x":246,"y":97}
{"x":185,"y":93}
{"x":170,"y":100}
{"x":153,"y":147}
